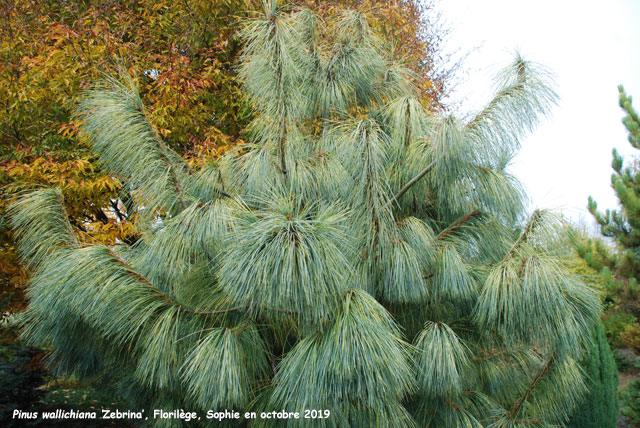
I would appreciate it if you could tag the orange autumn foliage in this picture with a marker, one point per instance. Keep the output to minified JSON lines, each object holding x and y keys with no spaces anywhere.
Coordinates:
{"x":182,"y":55}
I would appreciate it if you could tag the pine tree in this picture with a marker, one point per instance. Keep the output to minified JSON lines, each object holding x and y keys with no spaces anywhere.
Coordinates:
{"x":620,"y":266}
{"x":359,"y":255}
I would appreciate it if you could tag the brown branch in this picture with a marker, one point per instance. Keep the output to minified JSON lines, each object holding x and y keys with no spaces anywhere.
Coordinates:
{"x":505,"y":93}
{"x":235,"y":330}
{"x":486,"y":355}
{"x":196,"y":332}
{"x":535,"y":218}
{"x":174,"y":179}
{"x":281,"y":96}
{"x":114,"y":205}
{"x":411,"y":182}
{"x":163,"y":296}
{"x":454,"y":405}
{"x":219,"y":311}
{"x":456,"y":224}
{"x":407,"y":135}
{"x":67,"y":219}
{"x":225,"y":194}
{"x":164,"y":153}
{"x":538,"y":377}
{"x":283,"y":141}
{"x":221,"y":181}
{"x":495,"y":102}
{"x":13,"y":137}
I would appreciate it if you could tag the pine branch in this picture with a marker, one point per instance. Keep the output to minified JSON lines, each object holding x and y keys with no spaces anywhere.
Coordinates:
{"x":533,"y":222}
{"x":517,"y":406}
{"x":283,"y":142}
{"x":524,"y":97}
{"x":42,"y":225}
{"x":441,"y":360}
{"x":235,"y":330}
{"x":281,"y":96}
{"x":163,"y":296}
{"x":493,"y":354}
{"x":173,"y":176}
{"x":631,"y":120}
{"x":114,"y":120}
{"x":458,"y":223}
{"x":411,"y":182}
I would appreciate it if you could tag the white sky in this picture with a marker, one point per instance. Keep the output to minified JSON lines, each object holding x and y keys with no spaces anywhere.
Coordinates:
{"x":591,"y":46}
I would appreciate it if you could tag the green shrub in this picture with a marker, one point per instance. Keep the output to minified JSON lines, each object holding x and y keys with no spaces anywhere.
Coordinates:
{"x":625,"y":359}
{"x":615,"y":322}
{"x":631,"y":336}
{"x":600,"y":406}
{"x":631,"y":402}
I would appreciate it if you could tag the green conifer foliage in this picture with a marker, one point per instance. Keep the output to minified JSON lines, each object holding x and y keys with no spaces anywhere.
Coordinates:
{"x":600,"y":406}
{"x":358,"y":255}
{"x":620,"y":267}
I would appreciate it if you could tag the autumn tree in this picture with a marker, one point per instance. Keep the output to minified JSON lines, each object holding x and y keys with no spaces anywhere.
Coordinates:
{"x":182,"y":56}
{"x":50,"y":51}
{"x":357,"y":254}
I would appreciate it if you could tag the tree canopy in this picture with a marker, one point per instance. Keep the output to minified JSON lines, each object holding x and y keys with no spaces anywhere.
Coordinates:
{"x":182,"y":56}
{"x":356,"y":254}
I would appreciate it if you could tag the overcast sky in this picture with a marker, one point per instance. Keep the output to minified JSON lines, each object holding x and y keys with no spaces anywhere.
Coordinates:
{"x":591,"y":46}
